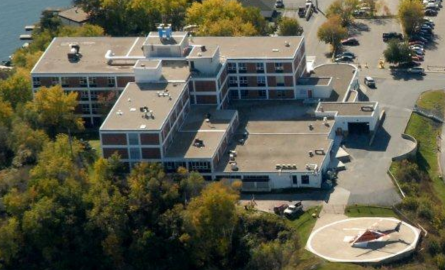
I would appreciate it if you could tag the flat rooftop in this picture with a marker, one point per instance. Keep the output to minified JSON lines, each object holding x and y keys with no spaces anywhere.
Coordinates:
{"x":342,"y":75}
{"x":262,"y":152}
{"x":175,"y":70}
{"x":278,"y":132}
{"x":195,"y":127}
{"x":126,"y":114}
{"x":252,"y":47}
{"x":93,"y":50}
{"x":348,"y":108}
{"x":205,"y":51}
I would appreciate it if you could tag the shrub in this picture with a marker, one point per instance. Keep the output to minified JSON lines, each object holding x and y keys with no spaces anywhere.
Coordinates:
{"x":440,"y":261}
{"x":433,"y":246}
{"x":425,"y":211}
{"x":410,"y":203}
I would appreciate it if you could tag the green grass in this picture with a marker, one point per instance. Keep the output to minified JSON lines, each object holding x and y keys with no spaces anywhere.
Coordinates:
{"x":305,"y":223}
{"x":369,"y":211}
{"x":426,"y":132}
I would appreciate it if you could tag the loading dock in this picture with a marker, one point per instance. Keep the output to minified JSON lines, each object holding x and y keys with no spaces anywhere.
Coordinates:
{"x":358,"y":128}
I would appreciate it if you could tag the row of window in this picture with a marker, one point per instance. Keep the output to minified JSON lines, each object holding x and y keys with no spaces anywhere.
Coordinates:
{"x":86,"y":108}
{"x":304,"y":179}
{"x":83,"y":81}
{"x":259,"y":93}
{"x":242,"y":67}
{"x":260,"y":80}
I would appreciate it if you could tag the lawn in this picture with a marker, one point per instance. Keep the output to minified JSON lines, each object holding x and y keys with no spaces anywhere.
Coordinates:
{"x":305,"y":223}
{"x":426,"y":132}
{"x":369,"y":211}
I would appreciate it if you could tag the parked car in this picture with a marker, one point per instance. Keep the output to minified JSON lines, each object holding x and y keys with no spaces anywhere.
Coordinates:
{"x":292,"y":210}
{"x":418,"y":38}
{"x":350,"y":41}
{"x":416,"y":70}
{"x":301,"y":12}
{"x":369,"y":81}
{"x":417,"y":58}
{"x":344,"y":58}
{"x":279,"y":209}
{"x":350,"y":54}
{"x":430,"y":12}
{"x":359,"y":13}
{"x":391,"y":35}
{"x":279,"y":4}
{"x":417,"y":42}
{"x":407,"y":65}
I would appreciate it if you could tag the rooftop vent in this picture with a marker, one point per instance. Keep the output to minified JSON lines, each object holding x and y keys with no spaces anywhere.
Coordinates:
{"x":367,"y":108}
{"x":165,"y":30}
{"x":74,"y":53}
{"x":311,"y":154}
{"x":275,"y":50}
{"x":234,"y":167}
{"x":311,"y":127}
{"x":287,"y":44}
{"x":143,"y":126}
{"x":198,"y":143}
{"x":203,"y":48}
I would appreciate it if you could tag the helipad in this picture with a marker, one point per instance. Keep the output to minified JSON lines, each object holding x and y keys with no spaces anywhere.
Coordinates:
{"x":332,"y":241}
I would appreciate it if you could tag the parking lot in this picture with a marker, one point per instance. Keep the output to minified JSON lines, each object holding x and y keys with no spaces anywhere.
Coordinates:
{"x":397,"y":91}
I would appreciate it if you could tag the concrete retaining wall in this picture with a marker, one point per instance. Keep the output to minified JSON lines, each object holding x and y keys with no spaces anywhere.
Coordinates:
{"x":411,"y":153}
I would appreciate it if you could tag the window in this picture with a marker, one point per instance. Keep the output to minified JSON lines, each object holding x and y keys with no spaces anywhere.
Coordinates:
{"x":234,"y":94}
{"x":242,"y":68}
{"x":83,"y":82}
{"x":85,"y":109}
{"x":94,"y":95}
{"x":262,"y":93}
{"x":95,"y":108}
{"x":244,"y":93}
{"x":259,"y":67}
{"x":111,"y":82}
{"x":231,"y":67}
{"x":135,"y":153}
{"x":133,"y":139}
{"x":173,"y":166}
{"x":261,"y":81}
{"x":281,"y":93}
{"x":280,"y":80}
{"x":233,"y":81}
{"x":83,"y":95}
{"x":36,"y":82}
{"x":200,"y":166}
{"x":294,"y":180}
{"x":65,"y":82}
{"x":93,"y":81}
{"x":243,"y":81}
{"x":305,"y":179}
{"x":279,"y":67}
{"x":54,"y":81}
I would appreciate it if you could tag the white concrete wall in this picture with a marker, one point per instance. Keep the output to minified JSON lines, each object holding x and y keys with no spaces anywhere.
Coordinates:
{"x":319,"y":91}
{"x":207,"y":65}
{"x":146,"y":74}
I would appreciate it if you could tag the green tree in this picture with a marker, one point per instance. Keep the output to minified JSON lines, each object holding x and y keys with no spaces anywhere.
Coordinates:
{"x":5,"y":113}
{"x":343,"y":9}
{"x":225,"y":18}
{"x":54,"y":110}
{"x":397,"y":52}
{"x":11,"y":240}
{"x":210,"y":222}
{"x":332,"y":32}
{"x":410,"y":14}
{"x":289,"y":27}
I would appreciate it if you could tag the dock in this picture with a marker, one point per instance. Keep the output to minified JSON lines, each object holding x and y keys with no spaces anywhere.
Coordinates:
{"x":25,"y":37}
{"x":30,"y":28}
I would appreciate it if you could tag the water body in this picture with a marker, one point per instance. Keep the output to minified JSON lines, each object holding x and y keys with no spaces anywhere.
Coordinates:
{"x":15,"y":14}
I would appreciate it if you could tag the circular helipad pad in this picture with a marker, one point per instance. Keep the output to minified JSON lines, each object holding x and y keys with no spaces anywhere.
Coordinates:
{"x":333,"y":241}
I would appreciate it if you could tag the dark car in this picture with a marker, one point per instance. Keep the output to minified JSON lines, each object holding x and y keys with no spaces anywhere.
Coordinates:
{"x":392,"y":35}
{"x":279,"y":209}
{"x":344,"y":58}
{"x":430,"y":12}
{"x":301,"y":12}
{"x":418,"y":38}
{"x":408,"y":64}
{"x":350,"y":42}
{"x":350,"y":54}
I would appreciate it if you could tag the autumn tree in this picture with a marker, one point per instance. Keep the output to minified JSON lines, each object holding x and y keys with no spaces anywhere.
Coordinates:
{"x":410,"y":14}
{"x":289,"y":27}
{"x":210,"y":221}
{"x":225,"y":18}
{"x":17,"y":88}
{"x":54,"y":109}
{"x":332,"y":32}
{"x":343,"y":9}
